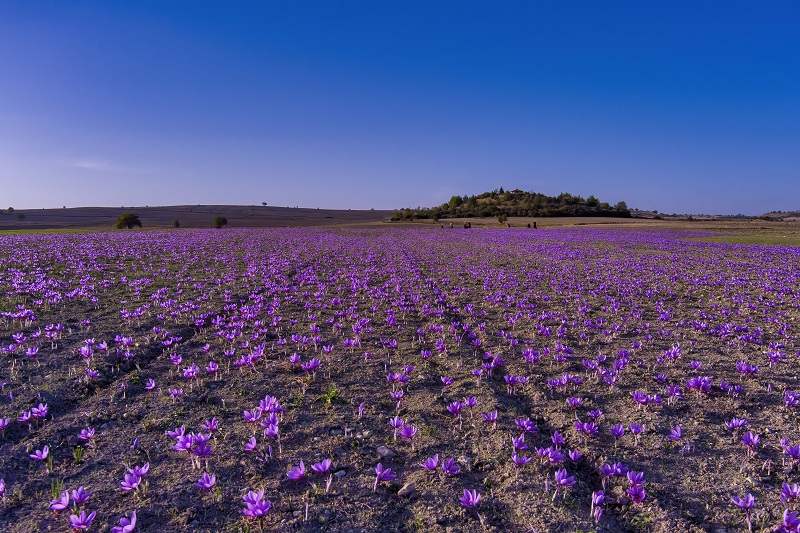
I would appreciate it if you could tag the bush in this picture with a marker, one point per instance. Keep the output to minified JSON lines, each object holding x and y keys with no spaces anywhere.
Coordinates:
{"x":220,"y":221}
{"x":128,"y":220}
{"x":177,"y":223}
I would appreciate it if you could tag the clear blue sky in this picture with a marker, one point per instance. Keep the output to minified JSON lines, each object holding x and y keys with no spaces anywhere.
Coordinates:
{"x":688,"y":107}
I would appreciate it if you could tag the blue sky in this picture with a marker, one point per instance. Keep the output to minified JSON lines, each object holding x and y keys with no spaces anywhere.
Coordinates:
{"x":688,"y":107}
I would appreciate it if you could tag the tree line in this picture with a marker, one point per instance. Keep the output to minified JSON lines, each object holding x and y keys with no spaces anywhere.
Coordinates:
{"x":516,"y":203}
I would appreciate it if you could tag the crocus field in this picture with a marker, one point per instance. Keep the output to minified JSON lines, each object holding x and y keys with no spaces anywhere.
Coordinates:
{"x":574,"y":379}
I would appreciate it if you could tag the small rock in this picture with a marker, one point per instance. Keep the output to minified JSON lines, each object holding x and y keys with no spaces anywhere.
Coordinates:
{"x":385,"y":452}
{"x":194,"y":523}
{"x":336,"y":432}
{"x":340,"y":473}
{"x":297,"y":514}
{"x":407,"y":490}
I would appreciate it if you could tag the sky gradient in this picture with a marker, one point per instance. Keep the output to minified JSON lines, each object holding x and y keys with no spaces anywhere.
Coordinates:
{"x":684,"y":107}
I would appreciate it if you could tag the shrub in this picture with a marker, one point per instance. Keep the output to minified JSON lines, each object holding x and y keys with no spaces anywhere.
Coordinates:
{"x":128,"y":220}
{"x":220,"y":221}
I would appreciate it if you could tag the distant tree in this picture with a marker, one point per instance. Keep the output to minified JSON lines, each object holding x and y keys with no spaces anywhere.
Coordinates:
{"x":220,"y":221}
{"x":592,"y":201}
{"x":128,"y":220}
{"x":502,"y":218}
{"x":455,"y":201}
{"x":177,"y":223}
{"x":21,"y":216}
{"x":10,"y":210}
{"x":264,"y":204}
{"x":621,"y":206}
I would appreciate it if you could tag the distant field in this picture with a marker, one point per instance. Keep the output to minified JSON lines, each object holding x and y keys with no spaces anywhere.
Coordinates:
{"x":189,"y":216}
{"x":89,"y":219}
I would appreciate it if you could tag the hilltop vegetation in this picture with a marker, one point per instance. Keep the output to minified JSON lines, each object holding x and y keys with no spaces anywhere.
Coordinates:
{"x":516,"y":203}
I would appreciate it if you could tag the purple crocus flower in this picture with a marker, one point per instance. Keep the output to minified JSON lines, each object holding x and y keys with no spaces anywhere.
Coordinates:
{"x":676,"y":433}
{"x":82,"y":521}
{"x":745,"y":503}
{"x":250,"y":445}
{"x":126,"y":525}
{"x":637,"y":494}
{"x":256,"y":507}
{"x":86,"y":434}
{"x":321,"y":467}
{"x":450,"y":467}
{"x":40,"y":455}
{"x":382,"y":474}
{"x":297,"y":472}
{"x":431,"y":463}
{"x":61,"y":503}
{"x":206,"y":481}
{"x":80,"y":495}
{"x":471,"y":498}
{"x":131,"y":482}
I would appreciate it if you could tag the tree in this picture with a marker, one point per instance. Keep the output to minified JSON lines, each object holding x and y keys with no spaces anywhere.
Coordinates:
{"x":220,"y":221}
{"x":621,"y":206}
{"x":455,"y":201}
{"x":592,"y":201}
{"x":264,"y":204}
{"x":177,"y":223}
{"x":10,"y":210}
{"x":128,"y":220}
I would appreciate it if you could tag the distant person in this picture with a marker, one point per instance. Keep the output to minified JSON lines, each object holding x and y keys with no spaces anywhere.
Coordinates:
{"x":529,"y":225}
{"x":451,"y":225}
{"x":534,"y":224}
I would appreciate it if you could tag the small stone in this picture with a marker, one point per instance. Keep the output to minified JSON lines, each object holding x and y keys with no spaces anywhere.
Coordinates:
{"x":297,"y":514}
{"x":336,"y":432}
{"x":407,"y":490}
{"x":340,"y":473}
{"x":194,"y":523}
{"x":385,"y":452}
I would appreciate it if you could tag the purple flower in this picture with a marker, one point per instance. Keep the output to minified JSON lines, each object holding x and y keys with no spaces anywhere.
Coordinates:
{"x":431,"y":463}
{"x":637,"y":494}
{"x":126,"y":525}
{"x":617,"y":430}
{"x":321,"y":467}
{"x":61,"y":503}
{"x":255,"y":506}
{"x":744,"y":503}
{"x":40,"y":455}
{"x":471,"y":498}
{"x":80,"y":496}
{"x":520,"y":460}
{"x":139,"y":471}
{"x":676,"y":433}
{"x":297,"y":472}
{"x":408,"y":432}
{"x":751,"y":440}
{"x":382,"y":474}
{"x":206,"y":481}
{"x":86,"y":434}
{"x":450,"y":467}
{"x":250,"y":445}
{"x":564,"y":480}
{"x":82,"y":521}
{"x":790,"y":522}
{"x":131,"y":482}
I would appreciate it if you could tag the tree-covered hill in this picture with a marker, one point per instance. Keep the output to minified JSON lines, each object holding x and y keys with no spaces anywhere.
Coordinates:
{"x":516,"y":203}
